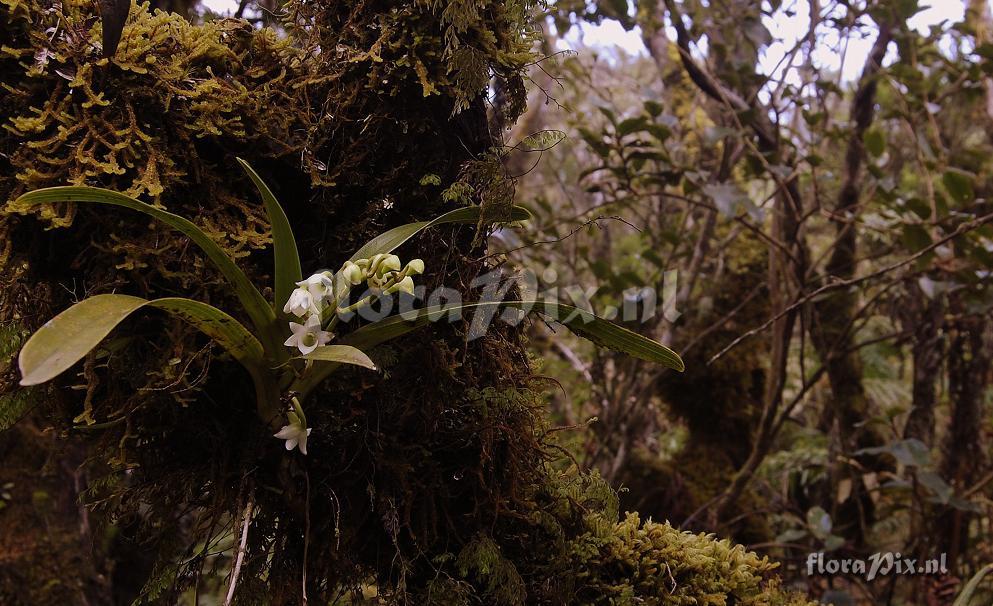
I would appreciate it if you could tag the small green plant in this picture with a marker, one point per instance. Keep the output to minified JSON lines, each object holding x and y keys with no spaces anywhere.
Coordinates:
{"x":311,"y":310}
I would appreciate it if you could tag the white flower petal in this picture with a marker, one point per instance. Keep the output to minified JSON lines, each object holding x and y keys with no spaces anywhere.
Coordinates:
{"x":300,"y":303}
{"x":287,"y":432}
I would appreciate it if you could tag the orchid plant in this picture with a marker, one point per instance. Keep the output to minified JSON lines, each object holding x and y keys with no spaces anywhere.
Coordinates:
{"x":293,"y":347}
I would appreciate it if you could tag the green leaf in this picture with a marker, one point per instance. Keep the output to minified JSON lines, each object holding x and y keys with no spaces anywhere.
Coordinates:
{"x":959,"y":185}
{"x":791,"y":535}
{"x":255,"y":305}
{"x":69,"y":336}
{"x":543,"y":140}
{"x":389,"y":241}
{"x":833,"y":542}
{"x":287,"y":271}
{"x":659,"y":131}
{"x":915,"y":237}
{"x":727,"y":197}
{"x":910,"y":452}
{"x":584,"y":324}
{"x":874,"y":142}
{"x":595,"y":141}
{"x":17,"y":402}
{"x":936,"y":485}
{"x":632,"y":125}
{"x":819,"y":522}
{"x":341,"y":354}
{"x":654,"y":108}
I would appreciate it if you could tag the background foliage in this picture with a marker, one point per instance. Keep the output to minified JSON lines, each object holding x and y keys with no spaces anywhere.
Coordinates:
{"x":825,"y":244}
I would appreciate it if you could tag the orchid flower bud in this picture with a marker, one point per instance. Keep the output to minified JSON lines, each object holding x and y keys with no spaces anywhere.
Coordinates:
{"x":415,"y":267}
{"x":353,"y":273}
{"x":382,"y":264}
{"x":390,"y":263}
{"x":372,"y":263}
{"x":405,"y":285}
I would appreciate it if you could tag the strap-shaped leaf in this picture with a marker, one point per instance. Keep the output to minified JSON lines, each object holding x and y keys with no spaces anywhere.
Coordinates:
{"x":600,"y":331}
{"x":69,"y":336}
{"x":255,"y":305}
{"x":965,"y":598}
{"x":389,"y":241}
{"x":287,"y":267}
{"x":341,"y":354}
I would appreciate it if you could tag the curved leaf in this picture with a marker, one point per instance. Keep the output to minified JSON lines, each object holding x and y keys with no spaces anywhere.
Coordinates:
{"x":284,"y":245}
{"x":341,"y":354}
{"x":69,"y":336}
{"x":256,"y":306}
{"x":390,"y":240}
{"x":965,"y":598}
{"x":603,"y":333}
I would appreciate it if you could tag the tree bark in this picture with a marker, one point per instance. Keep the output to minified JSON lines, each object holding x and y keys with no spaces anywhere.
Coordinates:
{"x":969,"y":358}
{"x":923,"y":319}
{"x":834,"y":315}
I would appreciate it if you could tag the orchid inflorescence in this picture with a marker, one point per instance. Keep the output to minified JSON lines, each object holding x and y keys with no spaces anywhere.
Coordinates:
{"x":317,"y":301}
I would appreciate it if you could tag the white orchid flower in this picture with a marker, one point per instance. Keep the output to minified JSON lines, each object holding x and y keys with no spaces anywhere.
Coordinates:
{"x":318,"y":285}
{"x":308,"y":336}
{"x":296,"y":432}
{"x":301,"y":303}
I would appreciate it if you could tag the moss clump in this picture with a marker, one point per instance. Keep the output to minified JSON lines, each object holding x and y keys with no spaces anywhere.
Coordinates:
{"x":142,"y":122}
{"x":589,"y":557}
{"x":637,"y":562}
{"x":448,"y":49}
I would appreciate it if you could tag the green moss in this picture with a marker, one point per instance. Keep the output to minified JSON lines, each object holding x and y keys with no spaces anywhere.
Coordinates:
{"x":138,"y":123}
{"x":14,"y":403}
{"x":589,"y":557}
